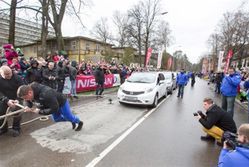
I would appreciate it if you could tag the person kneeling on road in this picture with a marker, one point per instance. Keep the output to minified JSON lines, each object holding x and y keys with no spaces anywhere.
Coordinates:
{"x":240,"y":155}
{"x":51,"y":102}
{"x":215,"y":122}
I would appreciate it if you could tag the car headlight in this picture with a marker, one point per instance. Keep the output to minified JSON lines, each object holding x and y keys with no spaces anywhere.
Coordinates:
{"x":149,"y":90}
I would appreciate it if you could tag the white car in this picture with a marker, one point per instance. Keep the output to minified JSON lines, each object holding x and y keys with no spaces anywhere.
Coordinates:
{"x":169,"y":80}
{"x":144,"y":88}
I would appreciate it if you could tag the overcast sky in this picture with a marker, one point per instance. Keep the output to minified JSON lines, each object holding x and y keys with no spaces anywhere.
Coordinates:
{"x":191,"y":21}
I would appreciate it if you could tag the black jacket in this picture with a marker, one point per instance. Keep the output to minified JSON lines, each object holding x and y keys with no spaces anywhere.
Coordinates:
{"x":99,"y":76}
{"x":8,"y":87}
{"x":49,"y":100}
{"x":220,"y":118}
{"x":46,"y":73}
{"x":34,"y":74}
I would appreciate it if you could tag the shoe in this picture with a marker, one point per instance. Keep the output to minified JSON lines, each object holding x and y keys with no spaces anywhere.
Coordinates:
{"x":15,"y":133}
{"x":207,"y":138}
{"x":80,"y":125}
{"x":73,"y":125}
{"x":76,"y":97}
{"x":2,"y":131}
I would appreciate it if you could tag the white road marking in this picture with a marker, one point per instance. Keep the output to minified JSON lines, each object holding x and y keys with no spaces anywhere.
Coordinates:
{"x":96,"y":160}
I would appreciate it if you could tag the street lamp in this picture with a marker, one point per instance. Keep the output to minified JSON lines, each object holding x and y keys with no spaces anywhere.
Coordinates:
{"x":164,"y":13}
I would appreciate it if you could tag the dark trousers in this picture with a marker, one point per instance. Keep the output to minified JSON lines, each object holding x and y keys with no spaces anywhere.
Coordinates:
{"x":60,"y":86}
{"x":217,"y":88}
{"x":100,"y":88}
{"x":180,"y":90}
{"x":228,"y":104}
{"x":16,"y":118}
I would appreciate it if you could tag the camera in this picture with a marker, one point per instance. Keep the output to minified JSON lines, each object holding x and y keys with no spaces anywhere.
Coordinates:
{"x":203,"y":116}
{"x":230,"y":138}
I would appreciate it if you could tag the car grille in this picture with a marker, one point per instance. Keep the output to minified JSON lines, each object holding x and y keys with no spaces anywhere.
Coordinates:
{"x":132,"y":93}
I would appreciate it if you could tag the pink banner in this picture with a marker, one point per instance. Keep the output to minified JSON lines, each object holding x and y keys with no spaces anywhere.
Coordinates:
{"x":169,"y":63}
{"x":86,"y":83}
{"x":229,"y":56}
{"x":148,"y":56}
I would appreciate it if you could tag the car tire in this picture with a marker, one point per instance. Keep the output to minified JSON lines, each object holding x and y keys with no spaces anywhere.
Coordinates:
{"x":166,"y":94}
{"x":155,"y":103}
{"x":171,"y":90}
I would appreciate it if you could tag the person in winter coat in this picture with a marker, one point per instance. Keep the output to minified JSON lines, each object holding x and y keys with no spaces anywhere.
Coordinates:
{"x":228,"y":89}
{"x":100,"y":80}
{"x":49,"y":76}
{"x":73,"y":75}
{"x":240,"y":156}
{"x":9,"y":53}
{"x":181,"y":81}
{"x":34,"y":74}
{"x":216,"y":121}
{"x":9,"y":82}
{"x":61,"y":76}
{"x":51,"y":102}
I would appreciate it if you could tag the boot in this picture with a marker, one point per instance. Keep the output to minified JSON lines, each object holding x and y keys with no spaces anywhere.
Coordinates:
{"x":80,"y":125}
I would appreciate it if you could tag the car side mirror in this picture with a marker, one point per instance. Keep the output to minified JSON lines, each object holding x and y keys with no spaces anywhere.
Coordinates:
{"x":161,"y":82}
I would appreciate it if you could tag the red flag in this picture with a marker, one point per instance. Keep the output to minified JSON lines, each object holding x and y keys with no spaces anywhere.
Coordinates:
{"x":169,"y":63}
{"x":229,"y":56}
{"x":149,"y":51}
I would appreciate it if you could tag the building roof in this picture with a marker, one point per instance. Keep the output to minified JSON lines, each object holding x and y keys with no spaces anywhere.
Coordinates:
{"x":70,"y":38}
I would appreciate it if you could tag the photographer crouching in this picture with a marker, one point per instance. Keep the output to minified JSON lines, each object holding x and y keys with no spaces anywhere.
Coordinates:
{"x":239,"y":155}
{"x":215,"y":122}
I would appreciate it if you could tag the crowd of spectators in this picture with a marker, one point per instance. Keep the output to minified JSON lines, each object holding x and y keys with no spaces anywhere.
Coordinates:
{"x":54,"y":69}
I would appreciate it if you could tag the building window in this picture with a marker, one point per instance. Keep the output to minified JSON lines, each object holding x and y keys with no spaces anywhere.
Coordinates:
{"x":87,"y":47}
{"x":97,"y":48}
{"x":74,"y":44}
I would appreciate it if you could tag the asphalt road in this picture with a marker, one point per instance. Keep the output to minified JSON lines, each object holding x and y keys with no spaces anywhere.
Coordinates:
{"x":170,"y":137}
{"x":167,"y":137}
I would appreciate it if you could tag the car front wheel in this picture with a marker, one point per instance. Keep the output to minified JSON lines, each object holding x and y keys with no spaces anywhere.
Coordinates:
{"x":155,"y":103}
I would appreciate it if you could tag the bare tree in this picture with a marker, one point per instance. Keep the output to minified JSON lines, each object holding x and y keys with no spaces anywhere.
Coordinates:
{"x":163,"y":35}
{"x":101,"y":30}
{"x":142,"y":22}
{"x":134,"y":29}
{"x":151,"y":11}
{"x":44,"y":30}
{"x":215,"y":44}
{"x":121,"y":22}
{"x":234,"y":33}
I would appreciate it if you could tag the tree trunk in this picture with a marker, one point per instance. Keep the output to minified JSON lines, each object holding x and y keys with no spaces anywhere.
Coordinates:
{"x":59,"y":38}
{"x":12,"y":22}
{"x":44,"y":32}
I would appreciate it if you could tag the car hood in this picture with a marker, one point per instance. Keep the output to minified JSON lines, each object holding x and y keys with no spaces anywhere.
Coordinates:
{"x":137,"y":87}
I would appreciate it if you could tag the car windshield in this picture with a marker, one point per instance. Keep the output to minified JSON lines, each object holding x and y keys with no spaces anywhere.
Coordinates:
{"x":142,"y":78}
{"x":168,"y":76}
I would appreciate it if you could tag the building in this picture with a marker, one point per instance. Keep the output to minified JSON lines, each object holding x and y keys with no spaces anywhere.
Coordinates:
{"x":77,"y":48}
{"x":26,"y":32}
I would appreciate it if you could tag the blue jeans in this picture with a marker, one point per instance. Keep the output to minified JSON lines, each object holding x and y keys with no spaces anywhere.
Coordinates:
{"x":180,"y":90}
{"x":73,"y":88}
{"x":228,"y":104}
{"x":65,"y":114}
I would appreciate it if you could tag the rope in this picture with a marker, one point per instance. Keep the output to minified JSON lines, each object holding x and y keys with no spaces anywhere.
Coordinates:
{"x":9,"y":113}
